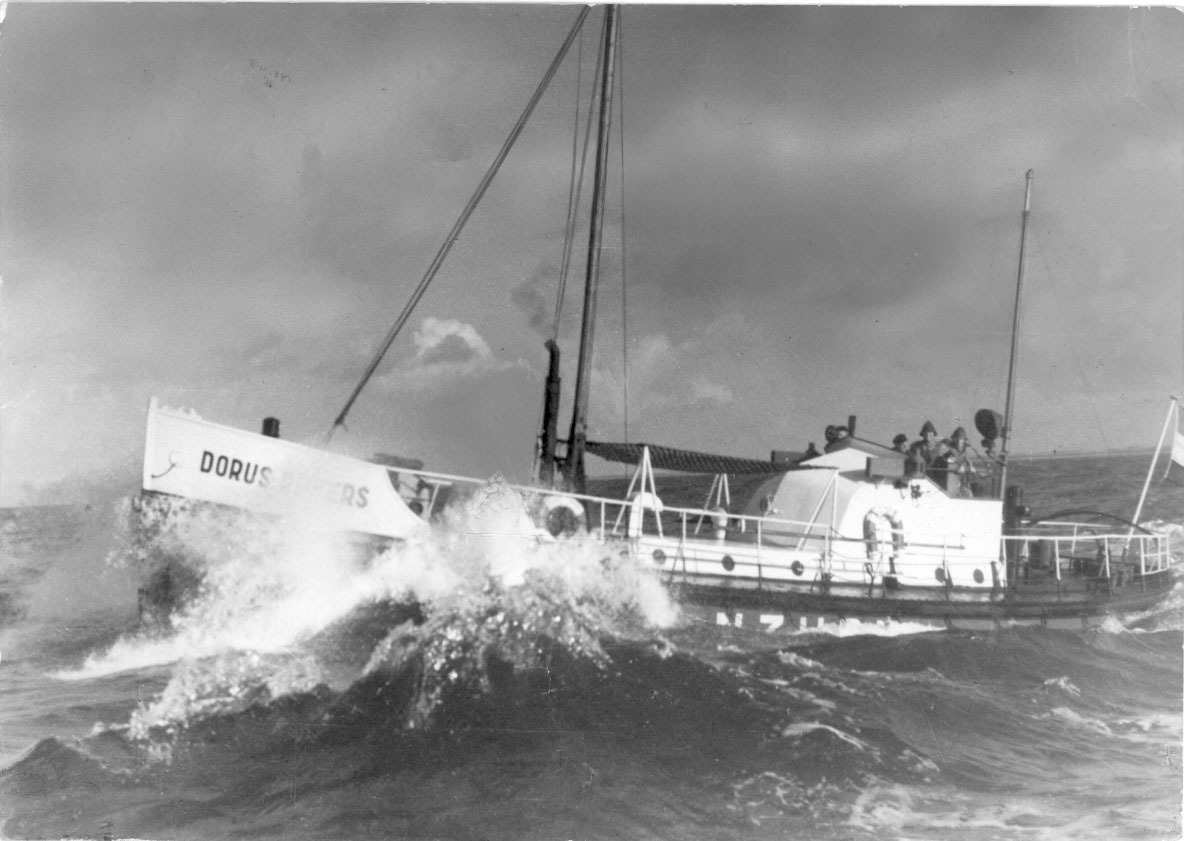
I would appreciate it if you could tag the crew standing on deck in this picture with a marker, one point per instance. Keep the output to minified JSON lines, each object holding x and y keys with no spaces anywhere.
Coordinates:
{"x":839,"y":440}
{"x":959,"y":465}
{"x":923,"y":452}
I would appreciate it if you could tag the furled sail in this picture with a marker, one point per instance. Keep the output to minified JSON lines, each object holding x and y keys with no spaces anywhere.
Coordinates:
{"x":686,"y":461}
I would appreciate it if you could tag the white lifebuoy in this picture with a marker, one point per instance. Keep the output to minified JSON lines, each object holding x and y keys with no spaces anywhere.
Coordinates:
{"x":639,"y":503}
{"x":719,"y":521}
{"x":563,"y":516}
{"x":874,"y":523}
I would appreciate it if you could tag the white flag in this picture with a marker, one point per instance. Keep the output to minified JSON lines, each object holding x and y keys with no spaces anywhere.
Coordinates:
{"x":1177,"y":454}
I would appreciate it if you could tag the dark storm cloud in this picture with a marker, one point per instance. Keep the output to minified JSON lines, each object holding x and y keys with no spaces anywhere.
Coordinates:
{"x":227,"y":205}
{"x":192,"y":149}
{"x":535,"y":297}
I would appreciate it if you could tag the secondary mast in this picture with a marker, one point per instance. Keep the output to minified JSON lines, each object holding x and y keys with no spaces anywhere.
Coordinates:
{"x":1005,"y":433}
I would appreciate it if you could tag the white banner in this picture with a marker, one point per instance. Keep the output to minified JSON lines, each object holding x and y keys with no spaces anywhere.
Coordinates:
{"x":189,"y":457}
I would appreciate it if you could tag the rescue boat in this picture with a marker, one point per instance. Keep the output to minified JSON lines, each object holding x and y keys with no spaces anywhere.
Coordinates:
{"x":853,"y":533}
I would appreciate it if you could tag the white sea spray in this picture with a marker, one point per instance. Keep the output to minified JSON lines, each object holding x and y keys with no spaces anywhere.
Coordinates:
{"x":486,"y":580}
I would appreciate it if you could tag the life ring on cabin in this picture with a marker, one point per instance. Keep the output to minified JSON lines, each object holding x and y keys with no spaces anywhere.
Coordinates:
{"x":719,"y":522}
{"x":874,"y":524}
{"x":639,"y":503}
{"x":563,"y":516}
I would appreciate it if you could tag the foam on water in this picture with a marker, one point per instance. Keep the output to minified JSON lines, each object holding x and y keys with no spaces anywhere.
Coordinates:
{"x":800,"y":728}
{"x":793,"y":658}
{"x":904,"y":813}
{"x":1078,"y":720}
{"x":876,"y":628}
{"x":294,"y":679}
{"x":266,"y":594}
{"x":1167,"y":615}
{"x":766,"y":798}
{"x":484,"y":581}
{"x":1064,"y":685}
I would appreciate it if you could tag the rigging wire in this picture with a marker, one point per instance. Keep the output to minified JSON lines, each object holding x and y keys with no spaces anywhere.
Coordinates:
{"x":624,"y":250}
{"x":454,"y":234}
{"x":573,"y":466}
{"x":573,"y":188}
{"x":579,"y":162}
{"x":575,"y":191}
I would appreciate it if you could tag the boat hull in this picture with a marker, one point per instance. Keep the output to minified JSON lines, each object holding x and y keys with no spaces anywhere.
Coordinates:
{"x":1072,"y":605}
{"x":745,"y":584}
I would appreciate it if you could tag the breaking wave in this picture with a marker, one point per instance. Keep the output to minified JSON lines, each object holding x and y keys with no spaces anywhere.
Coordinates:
{"x":280,"y":609}
{"x":484,"y":682}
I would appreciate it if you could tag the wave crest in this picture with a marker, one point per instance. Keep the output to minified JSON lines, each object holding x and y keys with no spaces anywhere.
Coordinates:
{"x":281,"y":608}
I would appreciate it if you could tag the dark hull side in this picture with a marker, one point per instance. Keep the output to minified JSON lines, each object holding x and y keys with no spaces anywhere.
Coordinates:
{"x":1076,"y":603}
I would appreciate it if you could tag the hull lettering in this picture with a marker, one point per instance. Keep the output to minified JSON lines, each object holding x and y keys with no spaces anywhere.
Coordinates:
{"x":235,"y":469}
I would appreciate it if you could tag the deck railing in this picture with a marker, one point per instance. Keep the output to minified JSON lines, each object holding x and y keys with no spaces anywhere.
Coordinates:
{"x":1080,"y":548}
{"x":1049,"y":547}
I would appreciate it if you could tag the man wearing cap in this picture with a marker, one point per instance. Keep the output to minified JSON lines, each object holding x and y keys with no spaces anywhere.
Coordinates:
{"x":922,"y":453}
{"x":961,"y":467}
{"x":901,"y":443}
{"x":839,"y":440}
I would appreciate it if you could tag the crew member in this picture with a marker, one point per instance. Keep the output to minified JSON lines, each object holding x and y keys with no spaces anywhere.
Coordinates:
{"x":923,"y":451}
{"x":839,"y":441}
{"x":959,"y":465}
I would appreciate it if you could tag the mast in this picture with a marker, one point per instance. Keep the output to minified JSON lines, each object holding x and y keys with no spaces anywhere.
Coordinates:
{"x":573,"y":466}
{"x":1005,"y":433}
{"x":1167,"y":422}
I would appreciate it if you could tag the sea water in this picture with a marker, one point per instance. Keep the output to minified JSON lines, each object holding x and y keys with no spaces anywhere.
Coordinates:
{"x":550,"y":692}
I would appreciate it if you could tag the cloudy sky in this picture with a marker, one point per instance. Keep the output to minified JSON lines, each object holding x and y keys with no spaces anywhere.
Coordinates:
{"x":226,"y":206}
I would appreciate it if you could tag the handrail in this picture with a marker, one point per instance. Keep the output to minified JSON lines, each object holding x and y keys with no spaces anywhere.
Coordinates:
{"x":1154,"y":548}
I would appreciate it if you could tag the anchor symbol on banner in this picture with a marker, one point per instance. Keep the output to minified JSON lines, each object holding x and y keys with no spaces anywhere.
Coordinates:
{"x":176,"y":459}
